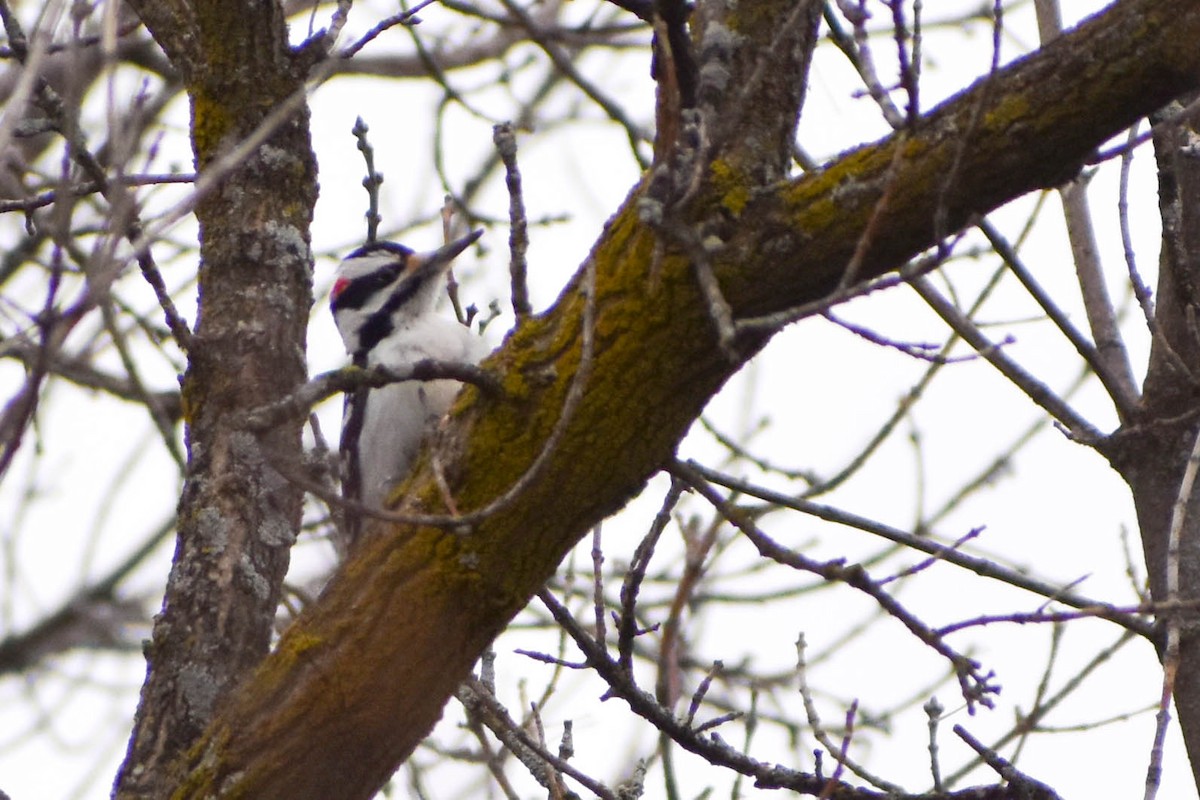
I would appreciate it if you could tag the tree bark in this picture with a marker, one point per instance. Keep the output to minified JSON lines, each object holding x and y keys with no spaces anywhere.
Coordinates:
{"x":1152,"y":451}
{"x":237,"y":517}
{"x":361,"y":677}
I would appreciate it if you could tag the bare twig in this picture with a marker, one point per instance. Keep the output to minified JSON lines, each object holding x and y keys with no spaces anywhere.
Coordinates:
{"x":1140,"y":290}
{"x":1080,"y":429}
{"x":505,"y":139}
{"x":719,"y":309}
{"x":1030,"y":788}
{"x":926,"y":544}
{"x":567,"y":66}
{"x":976,"y":686}
{"x":933,"y":710}
{"x":1103,"y":611}
{"x":372,"y":181}
{"x":598,"y":585}
{"x":533,"y":754}
{"x":858,"y":52}
{"x":1035,"y":715}
{"x":407,"y":17}
{"x":123,"y":217}
{"x":337,"y":381}
{"x":867,"y":237}
{"x":79,"y":371}
{"x":627,"y":627}
{"x":1119,"y":386}
{"x":51,"y":196}
{"x":464,"y":317}
{"x":1160,"y":121}
{"x":924,"y":351}
{"x":1097,"y":304}
{"x":780,"y":319}
{"x":20,"y":650}
{"x":820,"y":733}
{"x":701,"y":690}
{"x":163,"y":423}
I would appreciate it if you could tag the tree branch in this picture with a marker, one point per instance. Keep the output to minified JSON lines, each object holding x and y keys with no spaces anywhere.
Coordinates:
{"x":373,"y":661}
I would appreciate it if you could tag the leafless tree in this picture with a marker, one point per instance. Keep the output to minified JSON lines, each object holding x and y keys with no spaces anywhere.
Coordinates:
{"x":759,"y":614}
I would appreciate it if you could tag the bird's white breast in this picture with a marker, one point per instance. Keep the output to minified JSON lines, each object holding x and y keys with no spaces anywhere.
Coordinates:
{"x":399,"y":415}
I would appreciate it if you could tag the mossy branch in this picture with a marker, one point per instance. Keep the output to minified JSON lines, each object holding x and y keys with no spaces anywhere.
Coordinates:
{"x":371,"y":664}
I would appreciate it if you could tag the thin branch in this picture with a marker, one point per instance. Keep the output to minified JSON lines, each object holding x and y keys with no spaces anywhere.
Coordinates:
{"x":923,"y":351}
{"x":1166,"y":118}
{"x":976,"y":686}
{"x":505,"y":139}
{"x":718,"y":307}
{"x":819,"y":731}
{"x":51,"y":196}
{"x":902,"y":407}
{"x":867,"y":237}
{"x":476,"y":697}
{"x":1025,"y":785}
{"x":1140,"y":290}
{"x":346,"y":379}
{"x":164,"y":424}
{"x":627,"y":627}
{"x":1039,"y":713}
{"x":925,"y":544}
{"x":21,"y":650}
{"x":1123,"y":393}
{"x":566,"y":65}
{"x":858,"y":52}
{"x":598,"y":602}
{"x":403,"y":18}
{"x":1103,"y":611}
{"x":123,"y":217}
{"x":713,"y":749}
{"x":934,"y":710}
{"x":80,"y":372}
{"x":150,"y":272}
{"x":1042,"y":395}
{"x":780,"y":319}
{"x":373,"y":179}
{"x":621,"y":684}
{"x":1097,"y":304}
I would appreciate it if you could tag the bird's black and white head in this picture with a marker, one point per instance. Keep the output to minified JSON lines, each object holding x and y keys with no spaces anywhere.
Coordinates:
{"x":383,"y":287}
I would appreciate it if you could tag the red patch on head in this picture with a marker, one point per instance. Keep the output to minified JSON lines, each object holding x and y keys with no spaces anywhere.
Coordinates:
{"x":338,"y":285}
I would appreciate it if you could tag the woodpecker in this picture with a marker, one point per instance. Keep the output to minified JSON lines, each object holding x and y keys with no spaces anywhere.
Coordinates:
{"x":383,"y":305}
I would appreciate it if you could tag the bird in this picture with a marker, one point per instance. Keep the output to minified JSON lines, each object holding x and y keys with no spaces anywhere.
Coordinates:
{"x":383,"y":303}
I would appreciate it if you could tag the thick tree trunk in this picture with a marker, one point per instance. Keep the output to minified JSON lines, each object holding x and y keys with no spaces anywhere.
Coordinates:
{"x":237,"y":517}
{"x":1152,"y":451}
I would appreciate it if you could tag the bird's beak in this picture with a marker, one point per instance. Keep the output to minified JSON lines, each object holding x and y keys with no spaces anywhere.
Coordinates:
{"x":438,"y":260}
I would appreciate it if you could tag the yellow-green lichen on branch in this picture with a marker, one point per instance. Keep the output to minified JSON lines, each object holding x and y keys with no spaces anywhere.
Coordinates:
{"x":1011,"y":109}
{"x":300,"y":644}
{"x":212,"y":121}
{"x":201,"y":756}
{"x":732,"y":186}
{"x":846,"y":189}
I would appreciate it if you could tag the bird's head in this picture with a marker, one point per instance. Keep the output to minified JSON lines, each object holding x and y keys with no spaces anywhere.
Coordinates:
{"x":381,"y":285}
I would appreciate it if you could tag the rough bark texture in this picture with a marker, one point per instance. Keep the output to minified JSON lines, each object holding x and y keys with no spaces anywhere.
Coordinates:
{"x":1152,"y":450}
{"x":363,"y":674}
{"x":237,"y":516}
